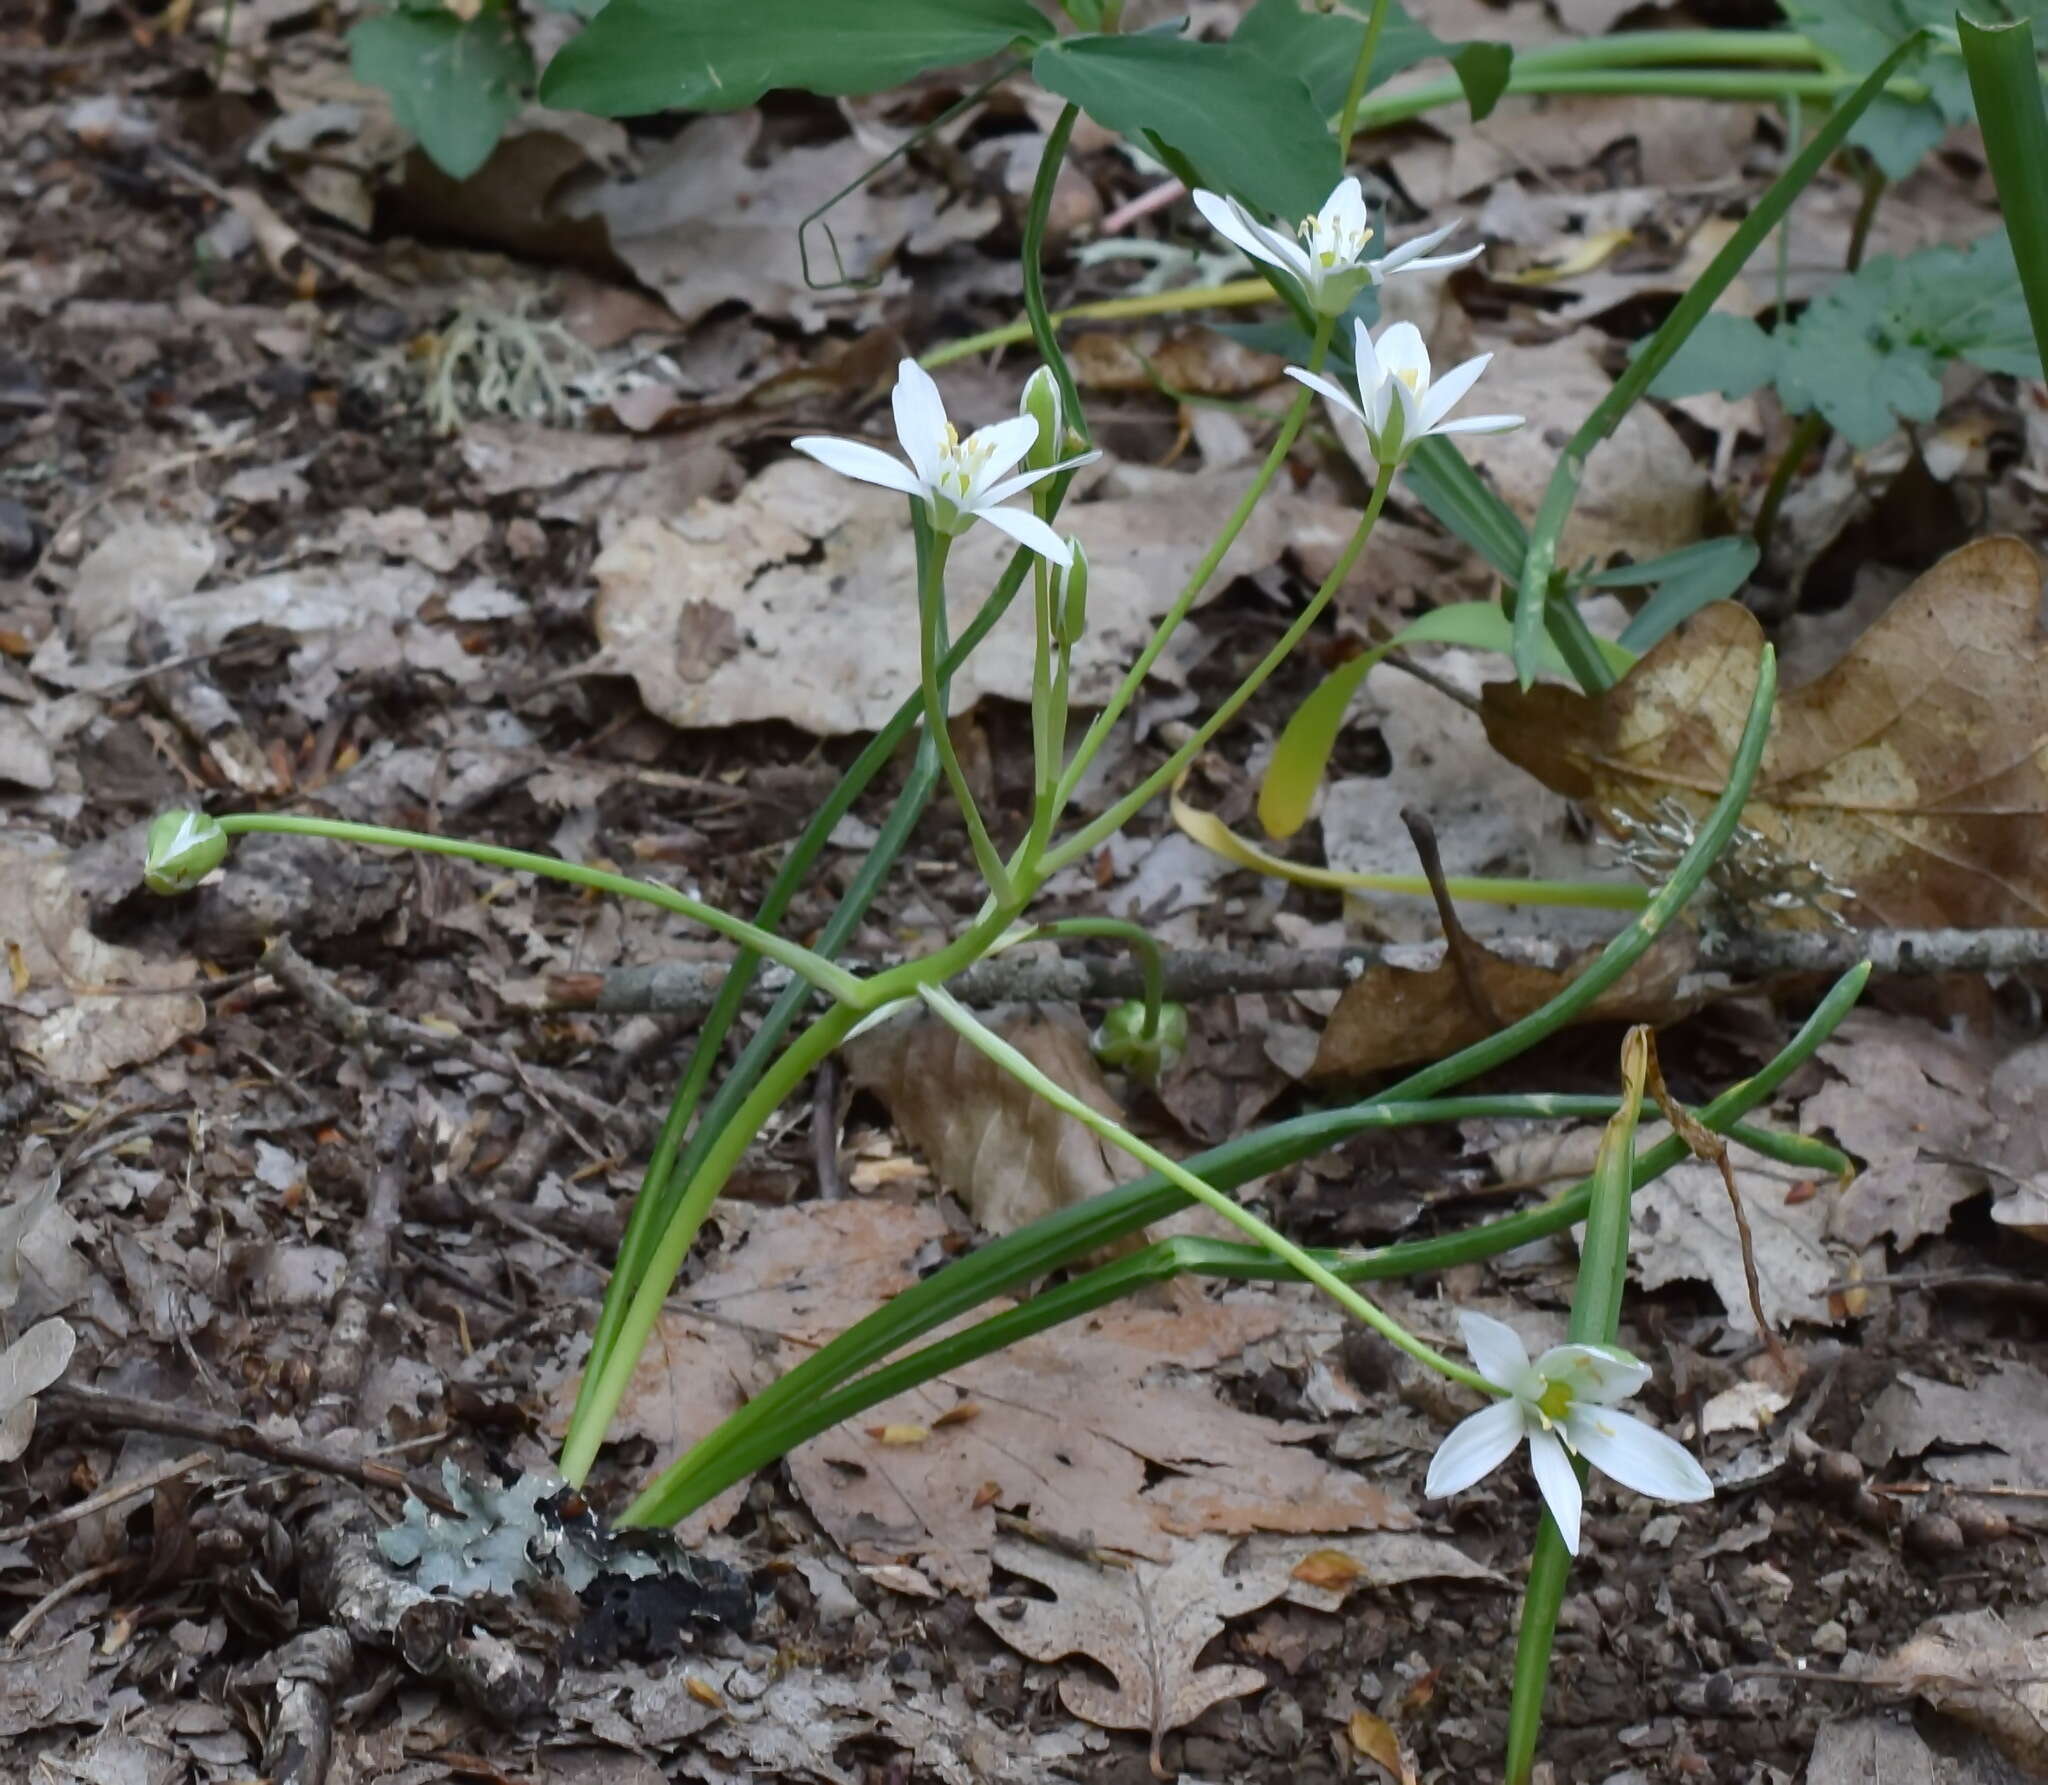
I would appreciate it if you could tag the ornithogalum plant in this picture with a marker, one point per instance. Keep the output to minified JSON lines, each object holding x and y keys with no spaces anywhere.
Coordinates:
{"x":1013,"y":473}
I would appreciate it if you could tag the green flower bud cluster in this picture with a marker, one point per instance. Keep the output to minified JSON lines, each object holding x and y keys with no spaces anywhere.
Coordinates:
{"x":1122,"y":1044}
{"x":184,"y":847}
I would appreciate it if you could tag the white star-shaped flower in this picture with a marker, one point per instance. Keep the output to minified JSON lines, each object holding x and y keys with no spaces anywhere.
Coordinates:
{"x":959,"y":481}
{"x":1398,"y":402}
{"x":1326,"y":254}
{"x":1563,"y":1404}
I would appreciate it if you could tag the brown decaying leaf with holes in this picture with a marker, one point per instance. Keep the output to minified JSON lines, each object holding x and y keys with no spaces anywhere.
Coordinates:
{"x":1915,"y":772}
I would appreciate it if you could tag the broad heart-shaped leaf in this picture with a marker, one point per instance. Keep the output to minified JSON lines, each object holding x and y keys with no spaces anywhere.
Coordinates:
{"x":1728,"y":354}
{"x":1243,"y":125}
{"x":1915,"y":772}
{"x":715,"y":55}
{"x":454,"y":83}
{"x":1861,"y":33}
{"x":1870,"y":351}
{"x":1320,"y":45}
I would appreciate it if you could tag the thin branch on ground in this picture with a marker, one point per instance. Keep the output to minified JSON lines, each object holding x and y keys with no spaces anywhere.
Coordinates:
{"x":688,"y":987}
{"x":95,"y":1408}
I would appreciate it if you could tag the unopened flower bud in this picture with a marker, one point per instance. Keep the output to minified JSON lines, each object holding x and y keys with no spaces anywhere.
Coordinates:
{"x":184,"y":847}
{"x":1042,"y":403}
{"x":1122,"y":1044}
{"x":1070,"y":618}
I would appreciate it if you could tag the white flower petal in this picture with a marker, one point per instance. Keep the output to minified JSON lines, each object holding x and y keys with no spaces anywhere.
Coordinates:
{"x":1445,"y":392}
{"x":1593,"y":1374}
{"x":1028,"y":530}
{"x":1323,"y":387}
{"x":1365,"y":357}
{"x":1481,"y":424}
{"x":1433,"y":264}
{"x":994,"y":449}
{"x":1400,"y":349}
{"x":1638,"y":1456}
{"x":1474,"y":1448}
{"x":1229,"y":220}
{"x":1344,"y":210}
{"x":920,"y":419}
{"x":854,"y":458}
{"x":1559,"y":1483}
{"x":1013,"y":486}
{"x":1495,"y":1348}
{"x":1413,"y":249}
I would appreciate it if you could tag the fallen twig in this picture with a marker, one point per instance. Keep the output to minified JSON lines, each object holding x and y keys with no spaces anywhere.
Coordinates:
{"x":94,"y":1407}
{"x":688,"y":987}
{"x":130,"y":1489}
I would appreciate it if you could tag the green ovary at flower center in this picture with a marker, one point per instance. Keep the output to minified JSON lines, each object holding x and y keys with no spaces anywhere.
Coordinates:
{"x":960,"y":464}
{"x":1554,"y":1402}
{"x":1332,"y":246}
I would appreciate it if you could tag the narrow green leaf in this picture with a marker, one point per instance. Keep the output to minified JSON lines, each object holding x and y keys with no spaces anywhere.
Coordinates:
{"x":1440,"y":478}
{"x":712,"y":55}
{"x":1483,"y":70}
{"x":1055,"y":1240}
{"x":1691,"y":309}
{"x":1303,"y":750}
{"x":454,"y":83}
{"x":1693,"y":577}
{"x":1245,"y":126}
{"x":2005,"y":78}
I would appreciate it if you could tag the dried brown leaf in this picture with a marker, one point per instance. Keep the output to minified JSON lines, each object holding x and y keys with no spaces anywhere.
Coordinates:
{"x":80,"y":1007}
{"x":1985,"y":1669}
{"x":1392,"y":1016}
{"x":1006,"y":1153}
{"x":1147,"y":1625}
{"x":817,"y":573}
{"x":1915,"y":772}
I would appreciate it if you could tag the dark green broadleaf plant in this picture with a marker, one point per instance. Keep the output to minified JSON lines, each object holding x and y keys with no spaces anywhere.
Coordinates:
{"x":1868,"y":354}
{"x":454,"y":83}
{"x":641,"y":56}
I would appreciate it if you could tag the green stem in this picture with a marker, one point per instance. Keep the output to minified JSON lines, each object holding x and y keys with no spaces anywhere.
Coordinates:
{"x":1595,"y":1320}
{"x":667,"y":1174}
{"x":1530,"y":78}
{"x":1120,"y":814}
{"x":593,"y":1417}
{"x":1036,"y":313}
{"x":963,"y":1023}
{"x":1361,"y":70}
{"x":1811,"y":430}
{"x":1538,"y":567}
{"x":834,"y":981}
{"x":931,"y":615}
{"x":1183,"y":603}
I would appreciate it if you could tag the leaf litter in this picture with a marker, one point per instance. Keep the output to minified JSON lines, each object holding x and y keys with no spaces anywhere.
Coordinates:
{"x":175,"y":1251}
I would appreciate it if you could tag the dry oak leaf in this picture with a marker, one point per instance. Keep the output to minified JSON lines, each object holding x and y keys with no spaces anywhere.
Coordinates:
{"x":1147,"y":1624}
{"x":1068,"y":1428}
{"x":1915,"y":772}
{"x":817,"y":574}
{"x":1393,"y":1015}
{"x":998,"y":1146}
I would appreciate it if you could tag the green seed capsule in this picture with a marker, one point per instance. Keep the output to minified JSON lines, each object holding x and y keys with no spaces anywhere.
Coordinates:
{"x":184,"y":847}
{"x":1122,"y":1044}
{"x":1072,"y":618}
{"x":1042,"y":403}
